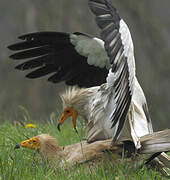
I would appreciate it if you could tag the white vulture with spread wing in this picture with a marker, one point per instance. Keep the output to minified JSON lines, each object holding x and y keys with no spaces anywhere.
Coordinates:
{"x":110,"y":98}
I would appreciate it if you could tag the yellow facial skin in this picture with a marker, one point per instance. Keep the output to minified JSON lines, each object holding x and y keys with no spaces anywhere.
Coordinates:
{"x":68,"y":112}
{"x":33,"y":143}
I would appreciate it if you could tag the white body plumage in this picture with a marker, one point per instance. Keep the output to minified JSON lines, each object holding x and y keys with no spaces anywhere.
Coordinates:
{"x":100,"y":109}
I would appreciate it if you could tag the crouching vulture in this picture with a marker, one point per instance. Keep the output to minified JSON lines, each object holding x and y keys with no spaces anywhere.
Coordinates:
{"x":106,"y":92}
{"x":98,"y":151}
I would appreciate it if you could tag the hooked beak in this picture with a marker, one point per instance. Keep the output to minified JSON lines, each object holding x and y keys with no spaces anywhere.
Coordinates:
{"x":68,"y":112}
{"x":17,"y":146}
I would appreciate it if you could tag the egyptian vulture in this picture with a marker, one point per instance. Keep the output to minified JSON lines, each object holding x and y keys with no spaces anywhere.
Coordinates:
{"x":81,"y":152}
{"x":105,"y":91}
{"x":98,"y":151}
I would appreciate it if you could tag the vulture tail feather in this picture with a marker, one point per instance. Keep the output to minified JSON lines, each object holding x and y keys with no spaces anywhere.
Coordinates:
{"x":156,"y":144}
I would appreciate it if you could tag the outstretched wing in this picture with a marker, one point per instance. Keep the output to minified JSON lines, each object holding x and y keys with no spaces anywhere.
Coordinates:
{"x":75,"y":58}
{"x":119,"y":47}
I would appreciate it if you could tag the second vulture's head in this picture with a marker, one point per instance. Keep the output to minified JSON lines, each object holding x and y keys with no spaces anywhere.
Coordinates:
{"x":75,"y":102}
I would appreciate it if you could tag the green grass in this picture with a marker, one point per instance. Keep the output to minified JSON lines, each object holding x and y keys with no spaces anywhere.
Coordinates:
{"x":25,"y":164}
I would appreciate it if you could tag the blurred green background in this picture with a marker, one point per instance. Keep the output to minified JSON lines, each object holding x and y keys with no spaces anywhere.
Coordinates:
{"x":149,"y":22}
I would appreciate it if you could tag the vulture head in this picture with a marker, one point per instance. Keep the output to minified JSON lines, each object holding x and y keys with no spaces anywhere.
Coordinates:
{"x":75,"y":102}
{"x":44,"y":143}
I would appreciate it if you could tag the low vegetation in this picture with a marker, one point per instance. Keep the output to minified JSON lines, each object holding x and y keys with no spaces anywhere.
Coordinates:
{"x":25,"y":163}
